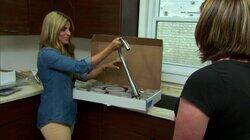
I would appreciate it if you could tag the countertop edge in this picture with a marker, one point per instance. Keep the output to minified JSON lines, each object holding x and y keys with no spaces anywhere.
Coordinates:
{"x":36,"y":89}
{"x":25,"y":92}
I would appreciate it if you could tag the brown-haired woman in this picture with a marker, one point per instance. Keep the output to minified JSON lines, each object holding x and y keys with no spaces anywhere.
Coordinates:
{"x":56,"y":68}
{"x":215,"y":101}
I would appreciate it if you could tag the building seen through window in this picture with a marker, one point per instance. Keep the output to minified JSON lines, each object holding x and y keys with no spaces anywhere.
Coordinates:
{"x":174,"y":22}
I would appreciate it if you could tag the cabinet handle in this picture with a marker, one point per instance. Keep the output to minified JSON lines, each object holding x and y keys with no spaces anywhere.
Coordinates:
{"x":70,"y":4}
{"x":11,"y":31}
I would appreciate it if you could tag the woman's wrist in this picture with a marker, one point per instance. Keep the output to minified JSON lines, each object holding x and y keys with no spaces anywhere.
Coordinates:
{"x":111,"y":47}
{"x":104,"y":67}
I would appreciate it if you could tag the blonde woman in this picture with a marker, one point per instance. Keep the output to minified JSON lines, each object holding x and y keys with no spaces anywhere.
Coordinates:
{"x":215,"y":100}
{"x":56,"y":67}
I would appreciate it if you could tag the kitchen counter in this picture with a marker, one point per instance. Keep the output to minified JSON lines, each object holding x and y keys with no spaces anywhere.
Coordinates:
{"x":25,"y":92}
{"x":33,"y":90}
{"x":19,"y":111}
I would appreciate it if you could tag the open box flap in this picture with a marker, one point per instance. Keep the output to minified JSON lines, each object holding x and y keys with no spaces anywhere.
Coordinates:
{"x":144,"y":61}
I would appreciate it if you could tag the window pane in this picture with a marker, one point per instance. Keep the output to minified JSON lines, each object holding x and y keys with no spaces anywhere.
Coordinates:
{"x":179,"y":42}
{"x":180,"y":8}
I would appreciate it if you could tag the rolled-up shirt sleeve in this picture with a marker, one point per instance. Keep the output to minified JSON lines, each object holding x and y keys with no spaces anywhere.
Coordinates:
{"x":88,"y":60}
{"x":84,"y":77}
{"x":56,"y":60}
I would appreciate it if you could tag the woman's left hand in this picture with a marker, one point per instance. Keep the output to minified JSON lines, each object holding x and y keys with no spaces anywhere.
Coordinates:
{"x":111,"y":65}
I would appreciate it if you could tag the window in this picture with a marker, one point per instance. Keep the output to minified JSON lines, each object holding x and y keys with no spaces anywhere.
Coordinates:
{"x":174,"y":22}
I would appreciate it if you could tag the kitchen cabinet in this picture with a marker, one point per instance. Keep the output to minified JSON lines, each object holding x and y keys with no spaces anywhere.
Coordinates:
{"x":94,"y":122}
{"x":99,"y":122}
{"x":116,"y":17}
{"x":38,"y":9}
{"x":18,"y":120}
{"x":14,"y":17}
{"x":66,"y":6}
{"x":89,"y":120}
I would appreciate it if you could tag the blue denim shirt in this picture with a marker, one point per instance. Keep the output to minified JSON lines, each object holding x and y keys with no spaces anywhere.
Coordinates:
{"x":55,"y":71}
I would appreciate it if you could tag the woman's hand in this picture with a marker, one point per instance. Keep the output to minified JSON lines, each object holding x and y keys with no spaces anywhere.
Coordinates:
{"x":111,"y":65}
{"x":115,"y":44}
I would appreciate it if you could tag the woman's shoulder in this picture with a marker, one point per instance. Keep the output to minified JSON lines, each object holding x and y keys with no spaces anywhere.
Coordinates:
{"x":204,"y":71}
{"x":48,"y":52}
{"x":208,"y":74}
{"x":213,"y":68}
{"x":214,"y":72}
{"x":48,"y":48}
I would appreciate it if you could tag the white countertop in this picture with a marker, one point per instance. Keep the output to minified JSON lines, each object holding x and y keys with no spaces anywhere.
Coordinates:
{"x":26,"y":91}
{"x":32,"y":90}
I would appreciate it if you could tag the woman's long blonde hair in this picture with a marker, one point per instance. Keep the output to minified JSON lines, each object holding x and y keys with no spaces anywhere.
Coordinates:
{"x":52,"y":25}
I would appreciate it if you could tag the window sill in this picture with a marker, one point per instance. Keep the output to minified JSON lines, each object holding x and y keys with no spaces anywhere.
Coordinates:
{"x":171,"y":89}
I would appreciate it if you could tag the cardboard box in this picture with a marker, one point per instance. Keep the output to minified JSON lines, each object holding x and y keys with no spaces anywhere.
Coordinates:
{"x":144,"y":61}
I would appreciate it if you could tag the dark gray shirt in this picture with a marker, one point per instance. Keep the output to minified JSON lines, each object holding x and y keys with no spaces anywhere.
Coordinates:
{"x":222,"y":92}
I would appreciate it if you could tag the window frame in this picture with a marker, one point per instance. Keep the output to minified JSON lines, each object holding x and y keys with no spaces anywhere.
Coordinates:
{"x":148,"y":18}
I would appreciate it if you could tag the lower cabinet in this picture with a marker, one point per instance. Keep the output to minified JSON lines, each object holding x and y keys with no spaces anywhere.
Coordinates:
{"x":18,"y":120}
{"x":94,"y":122}
{"x":14,"y":130}
{"x":89,"y":120}
{"x":99,"y":122}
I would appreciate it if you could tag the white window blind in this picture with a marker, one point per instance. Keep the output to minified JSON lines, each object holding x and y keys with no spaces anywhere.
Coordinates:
{"x":179,"y":42}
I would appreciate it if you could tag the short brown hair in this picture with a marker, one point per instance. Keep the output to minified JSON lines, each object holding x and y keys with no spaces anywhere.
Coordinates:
{"x":223,"y":30}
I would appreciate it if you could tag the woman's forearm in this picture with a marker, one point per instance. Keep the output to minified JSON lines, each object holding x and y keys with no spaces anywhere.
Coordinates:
{"x":114,"y":45}
{"x":96,"y":59}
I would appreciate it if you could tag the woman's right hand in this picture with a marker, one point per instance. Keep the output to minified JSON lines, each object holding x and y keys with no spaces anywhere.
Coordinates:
{"x":115,"y":44}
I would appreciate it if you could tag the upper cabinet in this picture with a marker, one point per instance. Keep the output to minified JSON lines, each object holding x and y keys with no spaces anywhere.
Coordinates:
{"x":129,"y":17}
{"x":116,"y":17}
{"x":13,"y":17}
{"x":97,"y":16}
{"x":38,"y":9}
{"x":65,"y":6}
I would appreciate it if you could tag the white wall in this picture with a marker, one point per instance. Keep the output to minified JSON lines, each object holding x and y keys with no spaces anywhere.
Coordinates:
{"x":20,"y":52}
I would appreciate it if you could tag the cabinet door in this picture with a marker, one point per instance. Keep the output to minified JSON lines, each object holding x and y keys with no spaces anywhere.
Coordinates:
{"x":14,"y":131}
{"x":18,"y":120}
{"x":118,"y":133}
{"x":98,"y":17}
{"x":124,"y":124}
{"x":65,"y":6}
{"x":129,"y":17}
{"x":38,"y":9}
{"x":88,"y":122}
{"x":13,"y":17}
